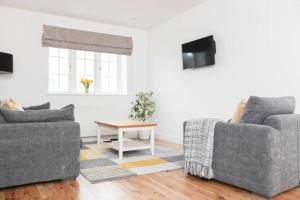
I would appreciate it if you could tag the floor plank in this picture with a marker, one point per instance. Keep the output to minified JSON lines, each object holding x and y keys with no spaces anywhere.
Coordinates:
{"x":172,"y":185}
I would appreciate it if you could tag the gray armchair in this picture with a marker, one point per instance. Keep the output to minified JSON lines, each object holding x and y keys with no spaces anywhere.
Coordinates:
{"x":263,"y":159}
{"x":261,"y":154}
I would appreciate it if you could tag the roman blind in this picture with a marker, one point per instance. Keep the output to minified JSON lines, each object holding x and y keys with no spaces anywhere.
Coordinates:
{"x":84,"y":40}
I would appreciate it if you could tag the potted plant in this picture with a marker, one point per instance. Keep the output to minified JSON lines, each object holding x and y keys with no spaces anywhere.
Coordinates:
{"x":143,"y":109}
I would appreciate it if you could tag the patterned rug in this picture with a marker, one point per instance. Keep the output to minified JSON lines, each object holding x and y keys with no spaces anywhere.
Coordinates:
{"x":102,"y":164}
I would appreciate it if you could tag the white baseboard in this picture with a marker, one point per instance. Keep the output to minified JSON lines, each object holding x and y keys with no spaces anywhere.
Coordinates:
{"x":89,"y":139}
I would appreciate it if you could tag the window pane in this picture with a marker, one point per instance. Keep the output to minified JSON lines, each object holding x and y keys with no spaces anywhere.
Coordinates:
{"x":104,"y":57}
{"x":113,"y":69}
{"x":112,"y":85}
{"x":58,"y":70}
{"x":89,"y":55}
{"x":53,"y":82}
{"x":64,"y":83}
{"x":53,"y":65}
{"x":110,"y":74}
{"x":104,"y":84}
{"x":123,"y":61}
{"x":123,"y":74}
{"x":63,"y":53}
{"x":89,"y":68}
{"x":63,"y":66}
{"x":85,"y":68}
{"x":53,"y":52}
{"x":80,"y":67}
{"x":113,"y":57}
{"x":104,"y":69}
{"x":81,"y":54}
{"x":79,"y":86}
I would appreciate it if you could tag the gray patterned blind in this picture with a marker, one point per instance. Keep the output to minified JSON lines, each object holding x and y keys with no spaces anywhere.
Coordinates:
{"x":85,"y":40}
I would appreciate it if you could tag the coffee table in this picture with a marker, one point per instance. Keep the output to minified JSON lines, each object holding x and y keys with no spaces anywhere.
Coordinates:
{"x":126,"y":144}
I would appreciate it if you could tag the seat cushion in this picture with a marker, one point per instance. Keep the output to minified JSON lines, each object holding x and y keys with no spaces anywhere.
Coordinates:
{"x":38,"y":107}
{"x":259,"y":108}
{"x":46,"y":115}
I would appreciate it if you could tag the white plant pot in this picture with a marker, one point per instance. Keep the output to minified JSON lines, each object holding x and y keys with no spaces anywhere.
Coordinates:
{"x":144,"y":135}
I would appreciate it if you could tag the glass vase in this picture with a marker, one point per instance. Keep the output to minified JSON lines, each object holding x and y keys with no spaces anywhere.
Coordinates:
{"x":86,"y":90}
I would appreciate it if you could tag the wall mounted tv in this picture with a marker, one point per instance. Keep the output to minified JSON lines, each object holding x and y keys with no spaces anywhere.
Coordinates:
{"x":199,"y":53}
{"x":6,"y":63}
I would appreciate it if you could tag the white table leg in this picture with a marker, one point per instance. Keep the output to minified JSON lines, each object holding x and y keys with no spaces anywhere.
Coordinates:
{"x":120,"y":140}
{"x":98,"y":136}
{"x":152,"y":140}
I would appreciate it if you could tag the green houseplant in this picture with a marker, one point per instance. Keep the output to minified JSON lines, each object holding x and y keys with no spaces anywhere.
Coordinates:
{"x":143,"y":109}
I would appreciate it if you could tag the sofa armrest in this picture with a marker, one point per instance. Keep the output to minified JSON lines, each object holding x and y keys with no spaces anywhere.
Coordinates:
{"x":247,"y":156}
{"x":285,"y":123}
{"x":289,"y":127}
{"x":25,"y":138}
{"x":38,"y":152}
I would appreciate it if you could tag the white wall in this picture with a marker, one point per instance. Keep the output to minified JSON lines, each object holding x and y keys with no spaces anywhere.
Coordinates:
{"x":252,"y":59}
{"x":257,"y":54}
{"x":20,"y":34}
{"x":285,"y":46}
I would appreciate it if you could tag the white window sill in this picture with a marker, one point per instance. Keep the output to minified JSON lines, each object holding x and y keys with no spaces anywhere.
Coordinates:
{"x":84,"y":94}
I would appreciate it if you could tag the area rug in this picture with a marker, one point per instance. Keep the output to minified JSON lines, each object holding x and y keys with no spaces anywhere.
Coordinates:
{"x":102,"y":164}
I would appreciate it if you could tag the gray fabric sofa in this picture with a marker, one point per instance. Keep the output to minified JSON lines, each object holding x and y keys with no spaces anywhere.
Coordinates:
{"x":262,"y":158}
{"x":38,"y":152}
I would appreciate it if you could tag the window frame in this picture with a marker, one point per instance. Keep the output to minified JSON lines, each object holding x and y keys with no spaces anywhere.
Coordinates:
{"x":97,"y":76}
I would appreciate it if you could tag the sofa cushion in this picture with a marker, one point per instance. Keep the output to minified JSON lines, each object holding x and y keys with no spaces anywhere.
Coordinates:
{"x":258,"y":108}
{"x":29,"y":116}
{"x":38,"y":107}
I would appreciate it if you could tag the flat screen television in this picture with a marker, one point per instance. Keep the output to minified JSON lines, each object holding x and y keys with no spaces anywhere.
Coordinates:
{"x":6,"y":63}
{"x":199,"y":53}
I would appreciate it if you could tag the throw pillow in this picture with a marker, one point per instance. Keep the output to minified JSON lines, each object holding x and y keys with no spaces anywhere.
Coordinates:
{"x":240,"y":110}
{"x":10,"y":104}
{"x":38,"y":107}
{"x":258,"y":108}
{"x":46,"y":115}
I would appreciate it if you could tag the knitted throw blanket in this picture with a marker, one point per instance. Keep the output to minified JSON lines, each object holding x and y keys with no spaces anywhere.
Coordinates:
{"x":198,"y":147}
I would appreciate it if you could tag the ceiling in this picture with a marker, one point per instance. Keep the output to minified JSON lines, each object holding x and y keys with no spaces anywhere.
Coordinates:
{"x":143,"y":14}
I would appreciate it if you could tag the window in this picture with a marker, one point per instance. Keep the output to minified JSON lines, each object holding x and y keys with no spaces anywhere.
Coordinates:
{"x":67,"y":67}
{"x":58,"y":70}
{"x":84,"y":68}
{"x":109,"y":72}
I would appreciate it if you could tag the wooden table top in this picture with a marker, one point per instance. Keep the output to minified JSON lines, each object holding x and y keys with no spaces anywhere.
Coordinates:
{"x":125,"y":124}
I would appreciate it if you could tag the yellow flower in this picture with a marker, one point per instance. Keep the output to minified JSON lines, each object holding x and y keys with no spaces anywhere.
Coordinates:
{"x":86,"y":82}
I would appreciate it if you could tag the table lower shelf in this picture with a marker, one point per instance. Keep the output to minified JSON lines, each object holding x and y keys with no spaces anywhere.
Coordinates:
{"x":129,"y":145}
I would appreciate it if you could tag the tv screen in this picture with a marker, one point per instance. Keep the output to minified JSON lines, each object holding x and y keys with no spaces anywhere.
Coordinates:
{"x":6,"y":63}
{"x":199,"y":53}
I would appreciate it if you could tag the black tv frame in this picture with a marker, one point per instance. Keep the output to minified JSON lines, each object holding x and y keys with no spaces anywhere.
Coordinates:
{"x":206,"y":44}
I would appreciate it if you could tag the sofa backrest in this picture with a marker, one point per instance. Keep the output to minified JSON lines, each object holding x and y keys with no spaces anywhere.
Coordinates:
{"x":259,"y":108}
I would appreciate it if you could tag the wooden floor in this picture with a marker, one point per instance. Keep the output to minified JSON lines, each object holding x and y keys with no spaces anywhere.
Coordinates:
{"x":172,"y":185}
